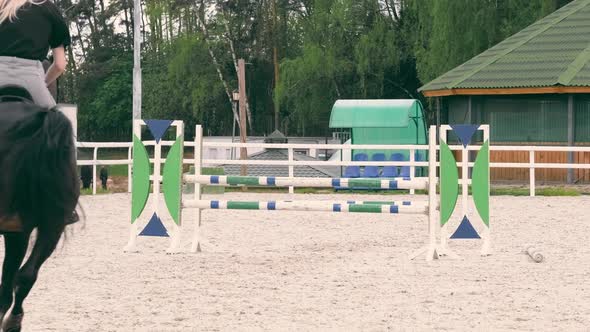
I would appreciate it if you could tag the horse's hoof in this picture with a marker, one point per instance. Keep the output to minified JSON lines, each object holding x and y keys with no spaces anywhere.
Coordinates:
{"x":12,"y":323}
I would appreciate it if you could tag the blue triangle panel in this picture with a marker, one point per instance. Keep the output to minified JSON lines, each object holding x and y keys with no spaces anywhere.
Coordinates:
{"x":155,"y":227}
{"x":158,"y":128}
{"x":465,"y":230}
{"x":464,"y":132}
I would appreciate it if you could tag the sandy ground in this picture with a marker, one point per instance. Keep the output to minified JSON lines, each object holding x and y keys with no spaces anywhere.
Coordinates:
{"x":319,"y":271}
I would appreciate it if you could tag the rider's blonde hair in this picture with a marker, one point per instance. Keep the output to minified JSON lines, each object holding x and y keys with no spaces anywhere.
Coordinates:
{"x":9,"y":8}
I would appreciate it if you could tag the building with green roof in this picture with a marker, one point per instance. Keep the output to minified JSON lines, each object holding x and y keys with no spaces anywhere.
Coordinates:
{"x":532,"y":88}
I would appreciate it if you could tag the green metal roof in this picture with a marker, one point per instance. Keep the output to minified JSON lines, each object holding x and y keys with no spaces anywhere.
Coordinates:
{"x":375,"y":113}
{"x":554,"y":51}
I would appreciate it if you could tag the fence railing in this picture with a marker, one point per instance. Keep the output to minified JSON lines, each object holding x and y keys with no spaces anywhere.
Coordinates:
{"x":532,"y":165}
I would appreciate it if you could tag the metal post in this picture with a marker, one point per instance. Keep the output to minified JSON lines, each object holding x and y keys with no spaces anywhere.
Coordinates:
{"x":291,"y":170}
{"x":432,"y":220}
{"x":177,"y":227}
{"x":235,"y":105}
{"x":233,"y":137}
{"x":326,"y":150}
{"x":243,"y":120}
{"x":275,"y":58}
{"x":570,"y":136}
{"x":431,"y":249}
{"x":532,"y":172}
{"x":198,"y":164}
{"x":313,"y":153}
{"x":94,"y":171}
{"x":486,"y":233}
{"x":129,"y":169}
{"x":468,"y":154}
{"x":133,"y":229}
{"x":412,"y":168}
{"x":438,"y":112}
{"x":136,"y":59}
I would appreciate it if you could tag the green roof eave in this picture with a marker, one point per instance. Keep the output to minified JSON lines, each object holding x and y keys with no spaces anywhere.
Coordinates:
{"x":376,"y":113}
{"x":554,"y":51}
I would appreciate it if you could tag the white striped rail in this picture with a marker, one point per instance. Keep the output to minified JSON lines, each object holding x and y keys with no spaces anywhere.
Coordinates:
{"x":377,"y":183}
{"x":345,"y":206}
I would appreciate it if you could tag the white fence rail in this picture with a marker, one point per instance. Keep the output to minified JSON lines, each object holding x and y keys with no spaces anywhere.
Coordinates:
{"x":310,"y":148}
{"x":94,"y":162}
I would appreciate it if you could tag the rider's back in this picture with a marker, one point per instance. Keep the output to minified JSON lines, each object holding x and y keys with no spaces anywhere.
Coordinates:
{"x":37,"y":28}
{"x":28,"y":30}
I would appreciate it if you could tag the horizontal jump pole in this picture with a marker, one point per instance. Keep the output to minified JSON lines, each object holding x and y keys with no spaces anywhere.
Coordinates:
{"x":307,"y":206}
{"x":377,"y":183}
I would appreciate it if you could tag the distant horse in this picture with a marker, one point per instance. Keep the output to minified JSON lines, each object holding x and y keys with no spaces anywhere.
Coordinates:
{"x":104,"y":177}
{"x":86,"y":176}
{"x":39,"y":189}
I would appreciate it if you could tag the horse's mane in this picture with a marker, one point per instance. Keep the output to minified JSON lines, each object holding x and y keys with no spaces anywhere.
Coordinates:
{"x":38,"y":176}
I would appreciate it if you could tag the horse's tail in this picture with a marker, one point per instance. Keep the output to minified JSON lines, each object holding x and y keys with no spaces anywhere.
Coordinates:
{"x":39,"y":170}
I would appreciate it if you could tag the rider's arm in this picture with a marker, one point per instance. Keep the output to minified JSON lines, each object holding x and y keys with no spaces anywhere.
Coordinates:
{"x":58,"y":67}
{"x":58,"y":41}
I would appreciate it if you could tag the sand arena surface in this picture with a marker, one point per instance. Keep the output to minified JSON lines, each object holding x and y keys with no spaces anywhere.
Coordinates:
{"x":319,"y":271}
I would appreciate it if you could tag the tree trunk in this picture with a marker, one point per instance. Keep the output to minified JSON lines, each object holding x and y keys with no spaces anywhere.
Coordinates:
{"x":143,"y":23}
{"x":228,"y":92}
{"x":81,"y":40}
{"x":235,"y":59}
{"x":94,"y":42}
{"x":127,"y":27}
{"x":103,"y":20}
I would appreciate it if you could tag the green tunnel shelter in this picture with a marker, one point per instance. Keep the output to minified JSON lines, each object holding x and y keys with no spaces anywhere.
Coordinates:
{"x":382,"y":121}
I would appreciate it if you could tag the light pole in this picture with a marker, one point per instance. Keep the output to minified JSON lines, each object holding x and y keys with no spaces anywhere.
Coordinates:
{"x":137,"y":60}
{"x":243,"y":120}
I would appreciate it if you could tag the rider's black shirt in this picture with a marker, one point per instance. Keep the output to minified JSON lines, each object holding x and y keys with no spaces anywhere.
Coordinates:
{"x":36,"y":29}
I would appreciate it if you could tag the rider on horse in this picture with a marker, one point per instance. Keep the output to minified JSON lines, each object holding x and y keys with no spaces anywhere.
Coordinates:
{"x":39,"y":186}
{"x":28,"y":29}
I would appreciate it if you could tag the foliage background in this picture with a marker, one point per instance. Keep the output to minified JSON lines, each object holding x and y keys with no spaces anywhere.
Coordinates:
{"x":302,"y":56}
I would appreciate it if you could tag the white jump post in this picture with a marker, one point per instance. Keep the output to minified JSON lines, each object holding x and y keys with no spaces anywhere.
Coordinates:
{"x":198,"y":164}
{"x":487,"y":237}
{"x":431,"y":250}
{"x":129,"y":169}
{"x":412,"y":168}
{"x":94,"y":159}
{"x":480,"y":185}
{"x":143,"y":178}
{"x":134,"y":228}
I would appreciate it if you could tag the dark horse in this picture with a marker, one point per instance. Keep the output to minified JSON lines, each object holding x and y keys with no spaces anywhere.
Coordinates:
{"x":39,"y":189}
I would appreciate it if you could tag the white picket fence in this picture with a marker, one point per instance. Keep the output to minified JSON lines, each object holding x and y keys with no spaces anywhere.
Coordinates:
{"x":311,"y":148}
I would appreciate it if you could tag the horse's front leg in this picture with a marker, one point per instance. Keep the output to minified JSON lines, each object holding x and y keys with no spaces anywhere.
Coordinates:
{"x":15,"y":248}
{"x":45,"y":244}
